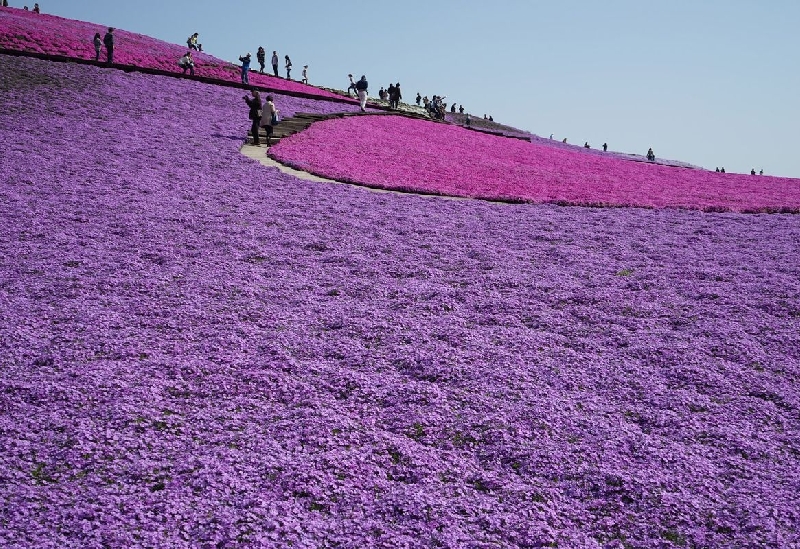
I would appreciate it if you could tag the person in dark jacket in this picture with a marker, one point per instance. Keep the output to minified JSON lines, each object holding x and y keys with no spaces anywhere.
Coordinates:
{"x":362,"y":86}
{"x":394,"y":96}
{"x":255,"y":114}
{"x":108,"y":40}
{"x":98,"y":44}
{"x":261,"y":55}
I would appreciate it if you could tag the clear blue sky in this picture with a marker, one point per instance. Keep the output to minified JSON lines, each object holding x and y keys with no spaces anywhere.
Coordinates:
{"x":711,"y":82}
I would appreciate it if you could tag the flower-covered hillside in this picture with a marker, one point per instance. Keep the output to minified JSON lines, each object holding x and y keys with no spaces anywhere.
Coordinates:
{"x":418,"y":155}
{"x":202,"y":352}
{"x":40,"y":33}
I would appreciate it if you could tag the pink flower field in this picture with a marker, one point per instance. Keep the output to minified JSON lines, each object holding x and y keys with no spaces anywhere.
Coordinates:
{"x":26,"y":31}
{"x":415,"y":155}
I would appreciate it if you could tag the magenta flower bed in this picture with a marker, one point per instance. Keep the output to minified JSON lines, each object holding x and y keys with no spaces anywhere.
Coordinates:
{"x":47,"y":34}
{"x":201,"y":352}
{"x":416,"y":155}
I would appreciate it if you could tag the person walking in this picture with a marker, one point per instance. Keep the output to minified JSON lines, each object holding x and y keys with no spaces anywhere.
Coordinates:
{"x":245,"y":59}
{"x":362,"y":86}
{"x":108,"y":40}
{"x":275,"y":62}
{"x":269,"y":118}
{"x":261,"y":56}
{"x":98,"y":44}
{"x":288,"y":65}
{"x":187,"y":63}
{"x":352,"y":86}
{"x":255,"y":114}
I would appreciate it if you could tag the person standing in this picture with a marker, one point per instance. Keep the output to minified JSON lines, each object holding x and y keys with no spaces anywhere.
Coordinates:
{"x":605,"y":147}
{"x":255,"y":114}
{"x":352,"y":86}
{"x":98,"y":44}
{"x":245,"y":59}
{"x":275,"y":62}
{"x":288,"y":67}
{"x":269,"y":118}
{"x":36,"y":8}
{"x":261,"y":56}
{"x":362,"y":86}
{"x":305,"y":74}
{"x":395,"y":96}
{"x":108,"y":40}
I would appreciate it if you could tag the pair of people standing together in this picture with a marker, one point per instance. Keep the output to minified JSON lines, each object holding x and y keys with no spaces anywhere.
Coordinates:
{"x":261,"y":116}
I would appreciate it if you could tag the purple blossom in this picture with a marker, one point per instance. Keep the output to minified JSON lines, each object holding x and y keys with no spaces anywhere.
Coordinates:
{"x":202,"y":352}
{"x":421,"y":156}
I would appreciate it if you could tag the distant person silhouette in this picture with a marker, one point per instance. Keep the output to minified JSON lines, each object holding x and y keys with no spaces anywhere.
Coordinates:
{"x":245,"y":59}
{"x":651,"y":156}
{"x":98,"y":44}
{"x":362,"y":86}
{"x":108,"y":40}
{"x":760,"y":172}
{"x":605,"y":147}
{"x":261,"y":57}
{"x":722,"y":169}
{"x":586,"y":145}
{"x":753,"y":171}
{"x":275,"y":62}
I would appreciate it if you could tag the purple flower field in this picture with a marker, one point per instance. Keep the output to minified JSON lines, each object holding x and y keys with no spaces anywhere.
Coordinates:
{"x":422,"y":156}
{"x":47,"y":34}
{"x":199,"y":351}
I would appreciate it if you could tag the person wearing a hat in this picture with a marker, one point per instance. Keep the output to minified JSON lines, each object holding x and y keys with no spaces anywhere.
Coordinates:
{"x":245,"y":59}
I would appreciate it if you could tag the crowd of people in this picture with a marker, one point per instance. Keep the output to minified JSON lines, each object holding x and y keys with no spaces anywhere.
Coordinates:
{"x":436,"y":107}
